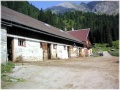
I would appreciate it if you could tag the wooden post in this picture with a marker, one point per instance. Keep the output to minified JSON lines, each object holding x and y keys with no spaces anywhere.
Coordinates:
{"x":12,"y":43}
{"x":45,"y":54}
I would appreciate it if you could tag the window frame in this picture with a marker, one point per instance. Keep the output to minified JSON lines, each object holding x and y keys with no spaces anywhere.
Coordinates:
{"x":21,"y":42}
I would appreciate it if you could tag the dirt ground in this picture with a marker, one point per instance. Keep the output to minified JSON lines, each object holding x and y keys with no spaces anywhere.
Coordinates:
{"x":77,"y":73}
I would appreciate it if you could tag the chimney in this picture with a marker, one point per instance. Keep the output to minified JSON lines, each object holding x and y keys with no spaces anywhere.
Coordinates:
{"x":72,"y":29}
{"x":65,"y":29}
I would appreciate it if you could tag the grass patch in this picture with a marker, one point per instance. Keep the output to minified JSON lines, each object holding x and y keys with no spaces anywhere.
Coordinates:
{"x":5,"y":69}
{"x":101,"y":47}
{"x":7,"y":78}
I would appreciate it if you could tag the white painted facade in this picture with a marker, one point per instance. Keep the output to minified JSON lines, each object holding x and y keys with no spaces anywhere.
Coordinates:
{"x":75,"y":52}
{"x":62,"y":52}
{"x":32,"y":51}
{"x":3,"y":42}
{"x":53,"y":51}
{"x":59,"y":51}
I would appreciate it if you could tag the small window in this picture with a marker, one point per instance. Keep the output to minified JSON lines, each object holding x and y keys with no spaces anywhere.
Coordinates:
{"x":64,"y":47}
{"x":54,"y":46}
{"x":21,"y":42}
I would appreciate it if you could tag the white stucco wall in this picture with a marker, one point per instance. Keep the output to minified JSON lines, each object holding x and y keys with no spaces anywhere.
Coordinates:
{"x":31,"y":52}
{"x":53,"y":51}
{"x":3,"y":41}
{"x":61,"y":52}
{"x":75,"y":52}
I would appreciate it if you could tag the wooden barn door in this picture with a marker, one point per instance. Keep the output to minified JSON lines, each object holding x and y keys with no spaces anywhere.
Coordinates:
{"x":49,"y":50}
{"x":46,"y":50}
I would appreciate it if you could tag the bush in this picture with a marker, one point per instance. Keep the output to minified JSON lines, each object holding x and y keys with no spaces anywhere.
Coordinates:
{"x":116,"y":44}
{"x":114,"y":53}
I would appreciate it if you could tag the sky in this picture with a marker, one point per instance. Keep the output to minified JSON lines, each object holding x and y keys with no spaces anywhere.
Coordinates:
{"x":47,"y":4}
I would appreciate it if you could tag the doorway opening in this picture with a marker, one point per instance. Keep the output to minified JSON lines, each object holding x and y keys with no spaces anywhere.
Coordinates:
{"x":68,"y":48}
{"x":9,"y":48}
{"x":49,"y":50}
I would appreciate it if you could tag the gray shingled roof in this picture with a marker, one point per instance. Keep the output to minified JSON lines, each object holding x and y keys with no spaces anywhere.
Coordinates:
{"x":13,"y":16}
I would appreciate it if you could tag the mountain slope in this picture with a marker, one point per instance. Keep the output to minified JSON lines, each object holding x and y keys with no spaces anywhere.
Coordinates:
{"x":106,"y":7}
{"x":99,"y":7}
{"x":92,"y":4}
{"x":84,"y":7}
{"x":68,"y":6}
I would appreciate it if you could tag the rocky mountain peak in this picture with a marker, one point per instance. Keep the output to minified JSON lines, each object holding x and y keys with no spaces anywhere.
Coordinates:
{"x":107,"y":7}
{"x":84,"y":7}
{"x":67,"y":5}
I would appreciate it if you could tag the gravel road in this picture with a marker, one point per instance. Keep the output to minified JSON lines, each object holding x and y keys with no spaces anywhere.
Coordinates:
{"x":77,"y":73}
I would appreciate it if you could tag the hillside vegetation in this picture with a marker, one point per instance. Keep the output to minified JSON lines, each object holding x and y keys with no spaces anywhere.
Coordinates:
{"x":114,"y":50}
